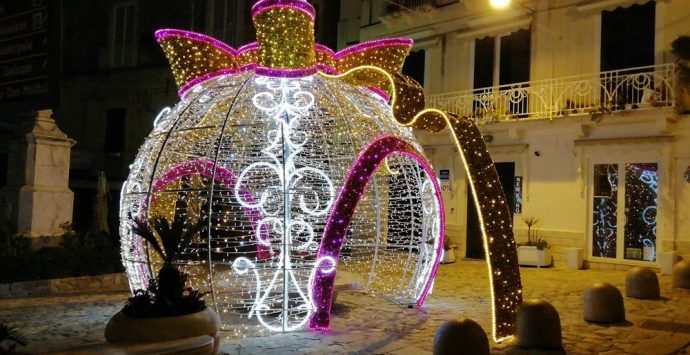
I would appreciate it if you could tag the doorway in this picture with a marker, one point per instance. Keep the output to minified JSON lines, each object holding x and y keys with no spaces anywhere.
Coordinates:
{"x":623,"y":224}
{"x":475,"y":244}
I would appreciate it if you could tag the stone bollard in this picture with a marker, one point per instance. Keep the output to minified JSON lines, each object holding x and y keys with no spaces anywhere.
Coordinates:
{"x":603,"y":303}
{"x":538,"y":325}
{"x":681,"y":274}
{"x":642,"y":283}
{"x":460,"y":337}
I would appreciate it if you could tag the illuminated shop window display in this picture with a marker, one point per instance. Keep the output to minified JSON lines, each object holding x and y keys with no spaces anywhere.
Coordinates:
{"x":636,"y":188}
{"x":300,"y":163}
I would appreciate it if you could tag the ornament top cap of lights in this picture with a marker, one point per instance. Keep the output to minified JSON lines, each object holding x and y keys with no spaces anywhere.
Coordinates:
{"x":301,"y":5}
{"x":285,"y":34}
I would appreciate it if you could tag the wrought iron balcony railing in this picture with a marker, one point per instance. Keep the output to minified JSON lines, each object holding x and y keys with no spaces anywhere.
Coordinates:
{"x":397,"y":5}
{"x":594,"y":94}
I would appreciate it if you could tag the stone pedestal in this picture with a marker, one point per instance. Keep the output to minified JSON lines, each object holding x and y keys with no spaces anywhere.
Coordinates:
{"x":45,"y":200}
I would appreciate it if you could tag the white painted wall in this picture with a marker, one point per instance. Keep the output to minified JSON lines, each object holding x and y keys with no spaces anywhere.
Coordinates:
{"x":565,"y":41}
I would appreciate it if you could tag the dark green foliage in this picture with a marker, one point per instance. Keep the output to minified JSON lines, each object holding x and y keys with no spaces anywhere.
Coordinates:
{"x":161,"y":302}
{"x":10,"y":338}
{"x":11,"y":244}
{"x":93,"y":253}
{"x":166,"y":295}
{"x":79,"y":254}
{"x":680,"y":47}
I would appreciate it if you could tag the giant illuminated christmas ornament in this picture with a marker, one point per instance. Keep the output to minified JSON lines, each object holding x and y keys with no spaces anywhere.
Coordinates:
{"x":301,"y":164}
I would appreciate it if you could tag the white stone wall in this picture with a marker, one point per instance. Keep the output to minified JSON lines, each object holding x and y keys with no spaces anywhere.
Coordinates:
{"x":557,"y":184}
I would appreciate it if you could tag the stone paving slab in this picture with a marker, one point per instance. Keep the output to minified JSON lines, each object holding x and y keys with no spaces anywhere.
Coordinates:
{"x":367,"y":325}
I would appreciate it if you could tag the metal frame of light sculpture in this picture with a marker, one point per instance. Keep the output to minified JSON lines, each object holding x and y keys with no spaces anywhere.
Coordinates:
{"x":343,"y":210}
{"x":200,"y":63}
{"x":223,"y":177}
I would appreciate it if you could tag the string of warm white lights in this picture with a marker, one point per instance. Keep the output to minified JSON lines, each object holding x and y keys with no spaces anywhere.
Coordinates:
{"x":222,"y":157}
{"x":298,"y":177}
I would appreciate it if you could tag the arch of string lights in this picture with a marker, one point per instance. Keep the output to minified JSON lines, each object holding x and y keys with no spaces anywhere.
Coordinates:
{"x":298,"y":168}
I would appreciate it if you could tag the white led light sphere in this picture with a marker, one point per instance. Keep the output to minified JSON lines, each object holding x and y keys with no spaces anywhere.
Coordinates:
{"x":261,"y":162}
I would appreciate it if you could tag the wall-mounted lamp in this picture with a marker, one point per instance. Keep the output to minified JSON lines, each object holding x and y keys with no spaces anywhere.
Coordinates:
{"x":499,"y":4}
{"x":503,"y":4}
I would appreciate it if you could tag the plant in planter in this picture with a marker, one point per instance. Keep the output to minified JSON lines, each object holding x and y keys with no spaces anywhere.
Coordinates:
{"x":10,"y":337}
{"x":536,"y":251}
{"x":680,"y":48}
{"x":167,"y":309}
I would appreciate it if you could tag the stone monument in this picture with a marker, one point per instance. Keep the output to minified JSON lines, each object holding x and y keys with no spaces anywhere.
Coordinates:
{"x":45,"y":200}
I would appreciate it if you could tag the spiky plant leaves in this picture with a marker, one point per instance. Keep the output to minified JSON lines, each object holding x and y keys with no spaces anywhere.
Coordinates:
{"x":174,"y":236}
{"x":9,"y":333}
{"x":142,"y":229}
{"x":166,"y":295}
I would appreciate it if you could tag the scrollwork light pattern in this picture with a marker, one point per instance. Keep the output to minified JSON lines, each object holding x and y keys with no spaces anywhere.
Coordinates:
{"x":273,"y":153}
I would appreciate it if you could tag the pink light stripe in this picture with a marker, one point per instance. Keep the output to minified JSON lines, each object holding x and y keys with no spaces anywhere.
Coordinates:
{"x":326,"y":69}
{"x":285,"y":73}
{"x":224,"y":177}
{"x":247,"y":47}
{"x":272,"y":72}
{"x":301,"y":5}
{"x":321,"y":48}
{"x":168,"y":32}
{"x":200,"y":79}
{"x":342,"y":213}
{"x":195,"y":36}
{"x":380,"y":92}
{"x":385,"y":42}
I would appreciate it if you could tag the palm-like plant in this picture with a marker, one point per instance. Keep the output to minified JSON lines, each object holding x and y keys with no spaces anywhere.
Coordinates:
{"x":530,"y":222}
{"x":10,"y":337}
{"x":166,"y":295}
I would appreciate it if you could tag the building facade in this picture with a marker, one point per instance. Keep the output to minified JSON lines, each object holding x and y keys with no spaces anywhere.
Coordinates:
{"x":109,"y":79}
{"x":579,"y":106}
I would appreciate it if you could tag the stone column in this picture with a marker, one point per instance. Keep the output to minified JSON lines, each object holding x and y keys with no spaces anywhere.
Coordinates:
{"x":45,"y":200}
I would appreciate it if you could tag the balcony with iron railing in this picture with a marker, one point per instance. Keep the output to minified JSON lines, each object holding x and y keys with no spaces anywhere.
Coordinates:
{"x":392,"y":6}
{"x":642,"y":88}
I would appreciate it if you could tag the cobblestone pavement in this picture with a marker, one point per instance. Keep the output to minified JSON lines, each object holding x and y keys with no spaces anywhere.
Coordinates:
{"x":362,"y":324}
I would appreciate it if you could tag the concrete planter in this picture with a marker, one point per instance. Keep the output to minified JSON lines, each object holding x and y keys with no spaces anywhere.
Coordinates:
{"x":125,"y":329}
{"x":531,"y":256}
{"x":666,"y":260}
{"x":575,"y":258}
{"x":448,"y":256}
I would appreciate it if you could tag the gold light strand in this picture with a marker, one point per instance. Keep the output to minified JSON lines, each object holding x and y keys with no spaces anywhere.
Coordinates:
{"x":499,"y":243}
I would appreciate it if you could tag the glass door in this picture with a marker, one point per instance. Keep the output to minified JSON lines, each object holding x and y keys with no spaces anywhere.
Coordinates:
{"x":624,"y":210}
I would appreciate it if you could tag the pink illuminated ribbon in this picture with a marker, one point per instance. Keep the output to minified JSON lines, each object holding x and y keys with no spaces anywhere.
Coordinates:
{"x":341,"y":215}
